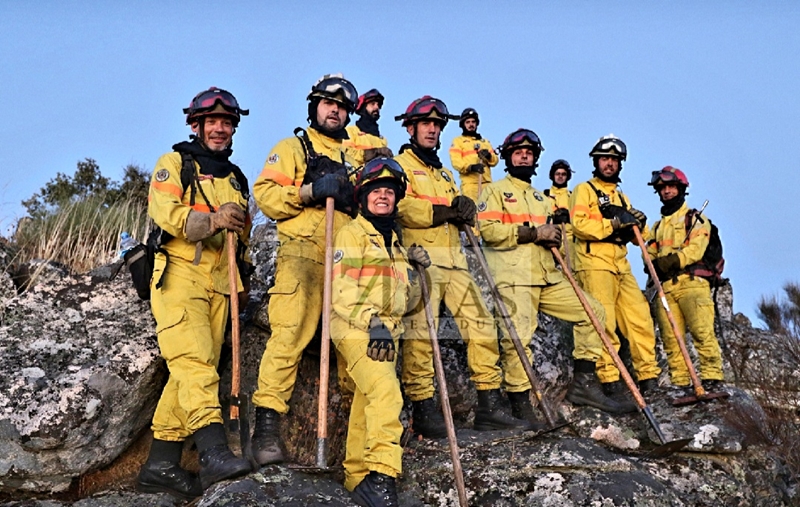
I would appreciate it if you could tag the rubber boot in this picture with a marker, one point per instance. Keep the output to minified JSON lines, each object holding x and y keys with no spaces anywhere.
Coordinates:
{"x":162,"y":473}
{"x":521,"y":408}
{"x":428,"y":420}
{"x":217,"y":462}
{"x":619,"y":392}
{"x":376,"y":490}
{"x":585,"y":390}
{"x":491,"y":415}
{"x":267,"y":443}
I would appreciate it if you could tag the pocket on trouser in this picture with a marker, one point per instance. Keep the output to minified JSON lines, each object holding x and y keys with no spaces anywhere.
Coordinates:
{"x":281,"y":312}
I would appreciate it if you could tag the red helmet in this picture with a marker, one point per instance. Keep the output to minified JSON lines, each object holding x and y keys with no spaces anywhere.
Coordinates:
{"x":426,"y":108}
{"x":668,"y":175}
{"x":214,"y":101}
{"x":380,"y":168}
{"x":370,"y":96}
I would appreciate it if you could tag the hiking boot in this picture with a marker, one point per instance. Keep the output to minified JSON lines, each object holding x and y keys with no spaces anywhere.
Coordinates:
{"x":217,"y":462}
{"x":428,"y":420}
{"x":648,"y":385}
{"x":585,"y":390}
{"x":619,"y":392}
{"x":376,"y":490}
{"x":521,"y":408}
{"x":267,"y":443}
{"x":491,"y":415}
{"x":162,"y":473}
{"x":713,"y":385}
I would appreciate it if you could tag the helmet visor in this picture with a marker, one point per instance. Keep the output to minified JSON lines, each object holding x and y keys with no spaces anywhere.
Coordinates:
{"x":663,"y":177}
{"x":205,"y":101}
{"x":612,"y":145}
{"x":333,"y":86}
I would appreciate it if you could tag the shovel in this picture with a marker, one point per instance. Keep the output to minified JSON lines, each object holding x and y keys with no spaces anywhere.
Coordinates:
{"x":666,"y":448}
{"x":512,"y":332}
{"x":239,"y":415}
{"x":443,"y":394}
{"x":700,"y":393}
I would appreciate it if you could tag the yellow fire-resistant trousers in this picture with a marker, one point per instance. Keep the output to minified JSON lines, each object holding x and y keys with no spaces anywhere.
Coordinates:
{"x":374,"y":428}
{"x":463,"y":297}
{"x":190,"y":322}
{"x":558,"y":300}
{"x":295,"y":308}
{"x":691,"y":305}
{"x":625,"y":307}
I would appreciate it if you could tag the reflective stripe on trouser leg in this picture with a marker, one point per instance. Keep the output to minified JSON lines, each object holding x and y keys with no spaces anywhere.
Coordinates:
{"x":191,"y":328}
{"x":474,"y":322}
{"x":295,"y":307}
{"x":374,"y":428}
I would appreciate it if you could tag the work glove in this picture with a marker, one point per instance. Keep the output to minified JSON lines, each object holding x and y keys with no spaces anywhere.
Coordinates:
{"x":418,"y":256}
{"x":465,"y":209}
{"x":327,"y":186}
{"x":619,"y":216}
{"x":667,"y":266}
{"x":381,"y":343}
{"x":641,"y":218}
{"x":561,"y":216}
{"x":442,"y":214}
{"x":548,"y":235}
{"x":476,"y":168}
{"x":229,"y":216}
{"x":485,"y":154}
{"x":371,"y":153}
{"x":525,"y":234}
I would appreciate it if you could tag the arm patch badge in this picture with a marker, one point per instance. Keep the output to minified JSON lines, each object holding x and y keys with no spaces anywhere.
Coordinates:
{"x":162,"y":175}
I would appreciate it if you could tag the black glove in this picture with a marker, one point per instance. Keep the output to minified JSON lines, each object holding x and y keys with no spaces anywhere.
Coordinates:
{"x":525,"y":234}
{"x":619,"y":216}
{"x":327,"y":186}
{"x":381,"y":343}
{"x":641,"y":218}
{"x":465,"y":209}
{"x":442,"y":214}
{"x":667,"y":266}
{"x":484,"y":154}
{"x":548,"y":235}
{"x":418,"y":256}
{"x":476,"y":168}
{"x":561,"y":216}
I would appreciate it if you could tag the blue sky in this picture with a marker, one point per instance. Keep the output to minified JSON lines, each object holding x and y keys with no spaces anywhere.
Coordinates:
{"x":709,"y":87}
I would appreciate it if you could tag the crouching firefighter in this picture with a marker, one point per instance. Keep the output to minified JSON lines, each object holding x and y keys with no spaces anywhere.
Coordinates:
{"x":677,"y":244}
{"x":196,"y":194}
{"x":514,"y":218}
{"x":374,"y":285}
{"x":300,"y":173}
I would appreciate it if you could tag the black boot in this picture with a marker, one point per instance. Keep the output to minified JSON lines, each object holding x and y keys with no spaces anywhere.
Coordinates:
{"x":648,"y":385}
{"x":162,"y":473}
{"x":267,"y":444}
{"x":619,"y":392}
{"x":712,"y":385}
{"x":376,"y":490}
{"x":585,"y":390}
{"x":521,"y":408}
{"x":428,"y":420}
{"x":217,"y":462}
{"x":491,"y":415}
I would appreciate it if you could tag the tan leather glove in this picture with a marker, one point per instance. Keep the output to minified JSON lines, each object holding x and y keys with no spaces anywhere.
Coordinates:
{"x":548,"y":235}
{"x":525,"y":234}
{"x":418,"y":255}
{"x":229,"y":216}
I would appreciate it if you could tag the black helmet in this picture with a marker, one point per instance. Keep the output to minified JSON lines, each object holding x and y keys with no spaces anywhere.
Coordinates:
{"x":214,"y":101}
{"x":560,"y":164}
{"x":381,"y":168}
{"x":335,"y":87}
{"x":609,"y":146}
{"x":468,"y":113}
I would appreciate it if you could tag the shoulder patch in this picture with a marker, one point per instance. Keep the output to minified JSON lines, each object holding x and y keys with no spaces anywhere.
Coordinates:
{"x":162,"y":175}
{"x":538,"y":196}
{"x":235,"y":184}
{"x":482,"y":206}
{"x":338,"y":255}
{"x":273,"y":158}
{"x":508,"y":195}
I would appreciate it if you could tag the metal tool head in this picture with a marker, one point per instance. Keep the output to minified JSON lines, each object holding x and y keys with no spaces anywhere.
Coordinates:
{"x":668,"y":448}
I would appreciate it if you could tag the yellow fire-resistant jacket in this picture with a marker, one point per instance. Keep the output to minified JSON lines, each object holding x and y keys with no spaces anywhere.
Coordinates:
{"x":277,"y":193}
{"x":360,"y":141}
{"x":168,"y":206}
{"x":559,"y":197}
{"x":590,"y":228}
{"x":368,"y":280}
{"x":504,"y":206}
{"x":428,"y":186}
{"x":464,"y":153}
{"x":668,"y":234}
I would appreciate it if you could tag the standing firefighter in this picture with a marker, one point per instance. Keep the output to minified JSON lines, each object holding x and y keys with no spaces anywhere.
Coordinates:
{"x":676,"y":244}
{"x":513,"y":217}
{"x":373,"y":287}
{"x":472,"y":155}
{"x":300,"y":173}
{"x":559,"y":194}
{"x":431,"y":215}
{"x":196,"y":194}
{"x":602,"y":221}
{"x":365,"y":140}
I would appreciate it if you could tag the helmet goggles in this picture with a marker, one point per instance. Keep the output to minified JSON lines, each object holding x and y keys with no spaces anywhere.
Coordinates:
{"x":371,"y":96}
{"x":382,"y":168}
{"x":426,"y":107}
{"x":520,"y":139}
{"x":610,"y":146}
{"x":207,"y":101}
{"x":333,"y":86}
{"x":668,"y":176}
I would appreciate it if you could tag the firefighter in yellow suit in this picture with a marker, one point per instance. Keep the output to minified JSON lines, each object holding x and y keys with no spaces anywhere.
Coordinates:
{"x":431,"y":215}
{"x":675,"y":252}
{"x":374,"y":285}
{"x":300,"y":173}
{"x":559,"y":195}
{"x":472,"y":155}
{"x":365,"y":141}
{"x":517,"y":237}
{"x":601,"y":223}
{"x":190,"y":295}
